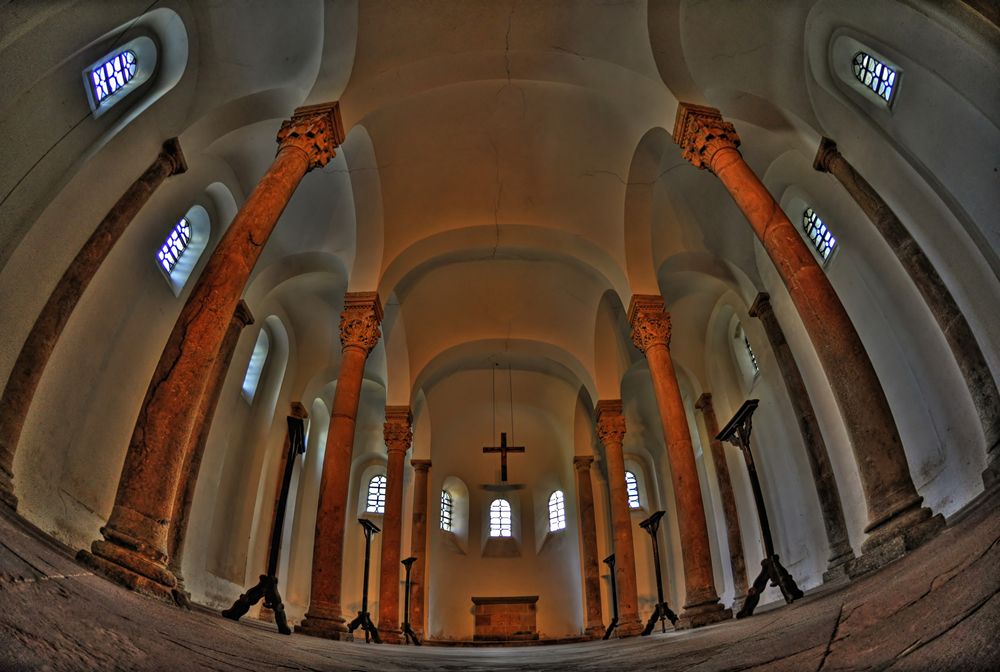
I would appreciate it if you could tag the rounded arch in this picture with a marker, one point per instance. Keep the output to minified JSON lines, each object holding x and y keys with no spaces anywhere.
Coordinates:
{"x":645,"y":171}
{"x":613,"y":354}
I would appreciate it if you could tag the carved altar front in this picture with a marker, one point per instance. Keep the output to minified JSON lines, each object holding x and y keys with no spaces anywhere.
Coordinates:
{"x":505,"y":618}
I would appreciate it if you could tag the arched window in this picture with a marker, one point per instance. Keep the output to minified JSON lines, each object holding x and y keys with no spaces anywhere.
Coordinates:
{"x":447,"y":511}
{"x":256,"y":366}
{"x":500,"y":519}
{"x":118,"y":73}
{"x":183,"y":247}
{"x":557,"y":511}
{"x":753,"y":358}
{"x":822,"y":238}
{"x":376,"y":495}
{"x":632,"y":489}
{"x":175,"y":245}
{"x":876,"y":75}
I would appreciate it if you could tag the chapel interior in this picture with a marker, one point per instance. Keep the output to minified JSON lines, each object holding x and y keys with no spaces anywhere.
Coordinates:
{"x":653,"y":334}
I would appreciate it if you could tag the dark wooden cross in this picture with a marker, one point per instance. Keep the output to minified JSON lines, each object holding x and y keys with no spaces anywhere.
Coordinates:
{"x":503,"y":449}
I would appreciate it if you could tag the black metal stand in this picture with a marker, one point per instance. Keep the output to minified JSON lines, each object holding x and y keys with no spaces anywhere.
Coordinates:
{"x":408,"y":634}
{"x":662,"y":611}
{"x":610,"y":562}
{"x":267,"y":585}
{"x":737,"y":432}
{"x":363,"y":618}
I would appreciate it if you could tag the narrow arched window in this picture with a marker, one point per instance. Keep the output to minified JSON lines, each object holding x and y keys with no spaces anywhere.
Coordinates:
{"x":753,"y":358}
{"x":118,"y":73}
{"x":557,"y":511}
{"x":500,"y":518}
{"x":256,"y":366}
{"x":376,"y":495}
{"x":447,"y":511}
{"x":175,"y":245}
{"x":821,"y":237}
{"x":632,"y":490}
{"x":875,"y":75}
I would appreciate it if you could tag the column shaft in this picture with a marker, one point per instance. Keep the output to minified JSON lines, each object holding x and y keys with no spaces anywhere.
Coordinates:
{"x":418,"y":544}
{"x":819,"y":459}
{"x":48,"y":326}
{"x":398,"y":437}
{"x":611,"y":430}
{"x":593,"y":615}
{"x":736,"y":558}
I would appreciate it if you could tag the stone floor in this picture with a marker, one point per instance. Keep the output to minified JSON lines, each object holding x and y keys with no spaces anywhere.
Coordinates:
{"x":937,"y":609}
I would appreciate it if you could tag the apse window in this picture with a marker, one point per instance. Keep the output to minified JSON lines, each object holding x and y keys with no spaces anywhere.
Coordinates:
{"x":557,"y":511}
{"x":118,"y":73}
{"x":753,"y":358}
{"x":256,"y":366}
{"x":175,"y":245}
{"x":500,"y":518}
{"x":878,"y":77}
{"x":376,"y":495}
{"x":821,"y":237}
{"x":447,"y":511}
{"x":632,"y":490}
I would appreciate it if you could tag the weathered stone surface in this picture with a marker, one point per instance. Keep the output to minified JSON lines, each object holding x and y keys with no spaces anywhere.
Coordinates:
{"x":398,"y":437}
{"x":418,"y":544}
{"x":590,"y":563}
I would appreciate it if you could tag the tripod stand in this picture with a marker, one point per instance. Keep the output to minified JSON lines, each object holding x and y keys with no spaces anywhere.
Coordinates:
{"x":737,"y":432}
{"x":267,"y":585}
{"x":363,"y":618}
{"x":662,"y":611}
{"x":408,"y":634}
{"x":610,"y":562}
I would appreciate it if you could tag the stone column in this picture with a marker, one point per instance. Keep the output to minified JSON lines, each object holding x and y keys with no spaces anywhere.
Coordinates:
{"x":651,"y":334}
{"x":594,"y":618}
{"x":819,"y":459}
{"x":896,"y":521}
{"x":398,"y":437}
{"x":418,"y":544}
{"x":611,"y":430}
{"x":359,"y":332}
{"x":242,"y":317}
{"x":41,"y":340}
{"x":964,"y":347}
{"x":736,"y":558}
{"x":134,"y":549}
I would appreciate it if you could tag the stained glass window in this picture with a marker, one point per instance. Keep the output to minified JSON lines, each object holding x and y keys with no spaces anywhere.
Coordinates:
{"x":822,"y":238}
{"x":557,"y":511}
{"x":876,"y":75}
{"x":175,"y":245}
{"x":447,"y":509}
{"x":376,"y":495}
{"x":500,"y":520}
{"x":753,"y":357}
{"x":632,"y":489}
{"x":113,"y":74}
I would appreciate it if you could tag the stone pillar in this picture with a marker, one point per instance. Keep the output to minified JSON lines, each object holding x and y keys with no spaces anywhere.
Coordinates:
{"x":418,"y":544}
{"x":964,"y":347}
{"x":134,"y":549}
{"x":651,"y":334}
{"x":242,"y":317}
{"x":819,"y":459}
{"x":398,"y":437}
{"x":611,"y":430}
{"x":736,"y":558}
{"x":41,"y":340}
{"x":896,"y":521}
{"x":594,"y":618}
{"x":359,"y":332}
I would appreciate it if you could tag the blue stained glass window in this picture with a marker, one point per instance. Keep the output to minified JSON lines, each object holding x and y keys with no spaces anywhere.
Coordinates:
{"x":876,"y":75}
{"x":822,"y":238}
{"x":113,"y":74}
{"x":175,"y":245}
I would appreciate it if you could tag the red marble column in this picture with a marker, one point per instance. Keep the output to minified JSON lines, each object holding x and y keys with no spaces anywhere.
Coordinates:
{"x":594,"y":618}
{"x":48,"y":326}
{"x":418,"y":544}
{"x":242,"y":317}
{"x":896,"y":521}
{"x":134,"y":549}
{"x":651,"y":334}
{"x":736,"y":558}
{"x":359,"y":333}
{"x":398,"y":437}
{"x":611,"y":431}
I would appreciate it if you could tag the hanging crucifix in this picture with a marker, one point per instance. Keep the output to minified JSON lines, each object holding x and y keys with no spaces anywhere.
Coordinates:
{"x":503,"y":449}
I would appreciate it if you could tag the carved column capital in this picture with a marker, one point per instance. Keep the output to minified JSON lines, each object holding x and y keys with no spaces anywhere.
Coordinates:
{"x":650,"y":322}
{"x":826,"y":154}
{"x":701,"y":133}
{"x":761,"y":306}
{"x":297,"y":410}
{"x":172,"y":154}
{"x":420,"y":465}
{"x":314,"y":130}
{"x":397,"y":430}
{"x":610,"y":422}
{"x":359,"y":322}
{"x":704,"y":402}
{"x":242,"y":315}
{"x":583,"y":462}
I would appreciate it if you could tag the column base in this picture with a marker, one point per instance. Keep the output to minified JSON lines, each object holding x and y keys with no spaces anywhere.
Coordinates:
{"x":630,"y":628}
{"x":326,"y":628}
{"x":7,"y":496}
{"x":836,"y":568}
{"x":181,"y":595}
{"x":265,"y":615}
{"x":880,"y":551}
{"x":105,"y":560}
{"x":594,"y":632}
{"x":738,"y":603}
{"x":701,"y":615}
{"x":390,"y":635}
